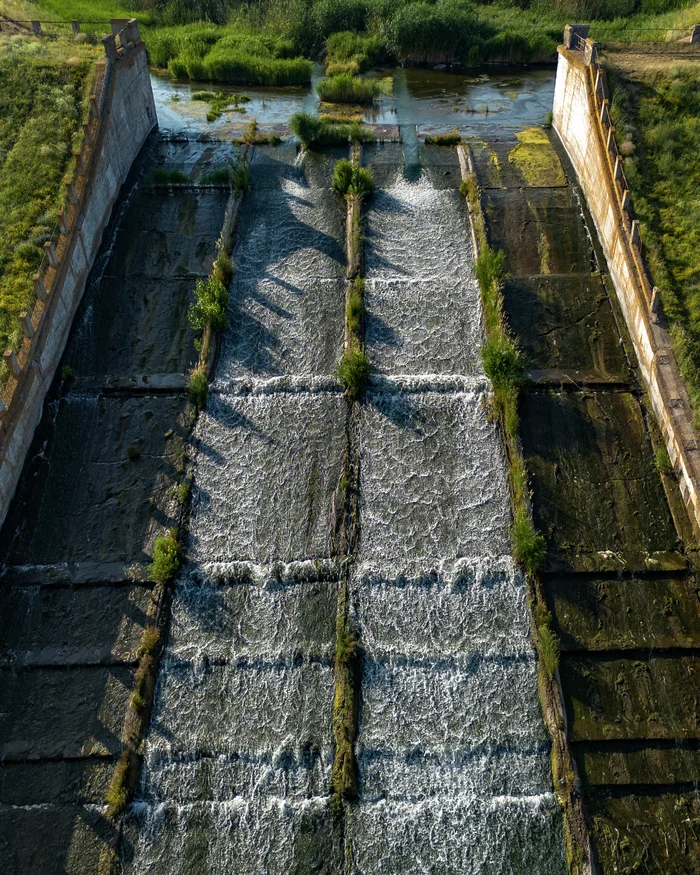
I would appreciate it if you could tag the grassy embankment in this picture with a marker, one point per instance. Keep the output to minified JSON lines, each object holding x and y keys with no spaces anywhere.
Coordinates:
{"x":656,"y":111}
{"x":270,"y":41}
{"x":44,"y":90}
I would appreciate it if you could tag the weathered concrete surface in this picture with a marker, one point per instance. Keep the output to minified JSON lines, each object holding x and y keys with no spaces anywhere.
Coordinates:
{"x":127,"y":116}
{"x":579,"y":106}
{"x":623,"y":597}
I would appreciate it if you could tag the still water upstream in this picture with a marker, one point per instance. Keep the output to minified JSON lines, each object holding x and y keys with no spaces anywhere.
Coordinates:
{"x":452,"y":750}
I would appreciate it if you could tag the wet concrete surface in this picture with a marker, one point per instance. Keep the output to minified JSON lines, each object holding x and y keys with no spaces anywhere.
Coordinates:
{"x":97,"y":488}
{"x":618,"y":578}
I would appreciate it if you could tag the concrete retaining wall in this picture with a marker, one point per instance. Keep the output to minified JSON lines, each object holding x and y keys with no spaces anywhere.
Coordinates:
{"x":122,"y":115}
{"x":580,"y":117}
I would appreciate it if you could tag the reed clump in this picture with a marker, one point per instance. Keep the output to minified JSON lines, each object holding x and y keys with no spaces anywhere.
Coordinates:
{"x":349,"y":178}
{"x":453,"y":138}
{"x":315,"y":132}
{"x":348,"y":89}
{"x":161,"y":176}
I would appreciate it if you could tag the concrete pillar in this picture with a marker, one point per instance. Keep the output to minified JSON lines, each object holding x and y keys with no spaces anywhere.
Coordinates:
{"x":604,"y":111}
{"x":36,"y":28}
{"x":62,"y":222}
{"x":26,"y":323}
{"x":75,"y":24}
{"x":618,"y":169}
{"x":134,"y":33}
{"x":71,"y":193}
{"x":110,"y":45}
{"x":87,"y":134}
{"x":635,"y":236}
{"x":10,"y":360}
{"x":591,"y":52}
{"x":625,"y":200}
{"x":610,"y":141}
{"x":655,"y":303}
{"x":50,"y":251}
{"x":118,"y":24}
{"x":40,"y":288}
{"x":574,"y":34}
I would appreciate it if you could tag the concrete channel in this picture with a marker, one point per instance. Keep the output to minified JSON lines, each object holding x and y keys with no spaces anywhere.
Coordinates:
{"x":620,"y":574}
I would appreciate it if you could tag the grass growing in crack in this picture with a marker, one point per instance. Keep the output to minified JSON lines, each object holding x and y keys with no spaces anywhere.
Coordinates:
{"x":528,"y":544}
{"x":354,"y":308}
{"x":502,"y":363}
{"x":348,"y":178}
{"x":150,"y":639}
{"x":662,"y":461}
{"x":344,"y":776}
{"x":348,"y":89}
{"x":170,"y":177}
{"x":353,"y":371}
{"x":117,"y":795}
{"x":210,"y":304}
{"x":454,"y":138}
{"x":198,"y":386}
{"x":166,"y":558}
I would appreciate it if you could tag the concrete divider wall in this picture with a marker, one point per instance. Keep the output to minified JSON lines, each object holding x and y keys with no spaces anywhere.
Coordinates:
{"x":123,"y":114}
{"x":581,"y":119}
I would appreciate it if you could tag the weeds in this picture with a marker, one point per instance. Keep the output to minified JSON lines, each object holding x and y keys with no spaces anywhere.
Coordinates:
{"x":223,"y":269}
{"x":220,"y":176}
{"x":117,"y":795}
{"x":528,"y":545}
{"x":549,"y":649}
{"x":502,"y":362}
{"x":353,"y":371}
{"x":454,"y":138}
{"x":354,"y":309}
{"x":198,"y":386}
{"x":170,"y":177}
{"x":241,"y":177}
{"x":348,"y":89}
{"x":662,"y":461}
{"x":166,"y":558}
{"x":344,"y":776}
{"x":348,"y":178}
{"x":313,"y":131}
{"x":150,"y":640}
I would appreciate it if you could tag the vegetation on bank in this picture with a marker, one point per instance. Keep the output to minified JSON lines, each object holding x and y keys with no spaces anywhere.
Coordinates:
{"x":316,"y":132}
{"x":271,"y":41}
{"x":657,"y":116}
{"x":44,"y":90}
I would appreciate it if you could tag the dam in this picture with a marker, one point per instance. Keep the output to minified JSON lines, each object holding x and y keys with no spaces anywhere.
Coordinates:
{"x":302,"y":511}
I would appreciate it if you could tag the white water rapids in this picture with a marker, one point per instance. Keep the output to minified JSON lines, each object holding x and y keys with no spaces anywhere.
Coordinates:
{"x":452,"y":750}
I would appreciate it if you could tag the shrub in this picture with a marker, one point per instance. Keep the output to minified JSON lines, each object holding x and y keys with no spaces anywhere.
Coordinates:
{"x":502,"y":362}
{"x":198,"y":386}
{"x":348,"y":89}
{"x":353,"y":371}
{"x":166,"y":558}
{"x":210,"y":304}
{"x":529,"y":546}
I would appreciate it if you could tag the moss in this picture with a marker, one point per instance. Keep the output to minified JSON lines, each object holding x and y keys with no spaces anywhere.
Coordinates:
{"x":535,"y":159}
{"x":662,"y":461}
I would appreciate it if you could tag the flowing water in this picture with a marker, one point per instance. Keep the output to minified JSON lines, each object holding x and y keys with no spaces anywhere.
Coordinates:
{"x":452,"y":750}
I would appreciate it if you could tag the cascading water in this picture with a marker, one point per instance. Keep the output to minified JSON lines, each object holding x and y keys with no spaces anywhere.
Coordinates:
{"x":452,"y":750}
{"x":453,"y":754}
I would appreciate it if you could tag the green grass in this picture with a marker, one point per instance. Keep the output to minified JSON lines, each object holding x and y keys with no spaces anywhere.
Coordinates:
{"x":223,"y":269}
{"x":354,"y":308}
{"x":162,"y":176}
{"x":528,"y":545}
{"x":349,"y":52}
{"x":198,"y":386}
{"x":344,"y":774}
{"x":349,"y":179}
{"x":348,"y":89}
{"x":220,"y":176}
{"x":662,"y":461}
{"x":43,"y":100}
{"x":166,"y":558}
{"x":117,"y":795}
{"x":657,"y":117}
{"x":502,"y":362}
{"x":313,"y":132}
{"x":549,"y":650}
{"x":353,"y":371}
{"x":454,"y":138}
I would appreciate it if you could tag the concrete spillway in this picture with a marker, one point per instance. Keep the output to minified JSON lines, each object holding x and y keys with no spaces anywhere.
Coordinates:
{"x":453,"y":755}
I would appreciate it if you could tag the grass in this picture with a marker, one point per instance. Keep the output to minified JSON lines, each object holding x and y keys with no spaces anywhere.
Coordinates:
{"x":170,"y":177}
{"x":44,"y":88}
{"x":314,"y":132}
{"x":353,"y":371}
{"x":454,"y":138}
{"x":210,"y":305}
{"x":67,"y":374}
{"x":117,"y":795}
{"x":354,"y":308}
{"x":662,"y":461}
{"x":150,"y":641}
{"x":220,"y":176}
{"x":348,"y":89}
{"x":344,"y":775}
{"x":528,"y":545}
{"x":166,"y":558}
{"x":502,"y":362}
{"x":657,"y":116}
{"x":348,"y":178}
{"x":198,"y":386}
{"x":223,"y":270}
